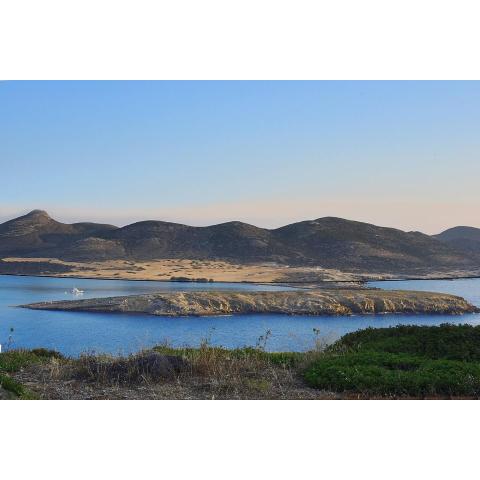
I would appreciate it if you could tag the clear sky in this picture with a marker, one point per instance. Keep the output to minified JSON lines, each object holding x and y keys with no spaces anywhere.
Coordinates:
{"x":401,"y":154}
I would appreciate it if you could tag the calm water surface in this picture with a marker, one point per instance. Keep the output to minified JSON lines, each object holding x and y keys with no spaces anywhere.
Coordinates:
{"x":75,"y":332}
{"x":468,"y":288}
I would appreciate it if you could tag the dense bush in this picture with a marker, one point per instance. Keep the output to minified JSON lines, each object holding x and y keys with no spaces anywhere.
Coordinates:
{"x":392,"y":374}
{"x":188,"y":279}
{"x":406,"y":360}
{"x":448,"y":342}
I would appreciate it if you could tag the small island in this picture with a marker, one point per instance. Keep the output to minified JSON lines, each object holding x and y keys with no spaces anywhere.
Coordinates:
{"x":297,"y":302}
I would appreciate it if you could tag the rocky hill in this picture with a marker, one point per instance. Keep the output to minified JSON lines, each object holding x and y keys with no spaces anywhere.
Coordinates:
{"x":326,"y":242}
{"x":37,"y":234}
{"x":464,"y":239}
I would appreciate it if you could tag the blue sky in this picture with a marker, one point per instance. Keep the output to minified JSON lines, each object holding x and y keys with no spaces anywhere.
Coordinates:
{"x":401,"y":154}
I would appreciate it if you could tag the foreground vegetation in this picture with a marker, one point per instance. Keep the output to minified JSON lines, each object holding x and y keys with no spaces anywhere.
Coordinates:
{"x":399,"y":362}
{"x":16,"y":360}
{"x":406,"y":360}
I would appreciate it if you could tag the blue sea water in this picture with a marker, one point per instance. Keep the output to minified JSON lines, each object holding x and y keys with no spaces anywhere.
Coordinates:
{"x":75,"y":332}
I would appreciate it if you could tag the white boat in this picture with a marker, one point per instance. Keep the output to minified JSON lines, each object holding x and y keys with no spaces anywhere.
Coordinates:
{"x":76,"y":291}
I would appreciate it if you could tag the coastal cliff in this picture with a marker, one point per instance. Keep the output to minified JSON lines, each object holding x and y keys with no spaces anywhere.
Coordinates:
{"x":312,"y":302}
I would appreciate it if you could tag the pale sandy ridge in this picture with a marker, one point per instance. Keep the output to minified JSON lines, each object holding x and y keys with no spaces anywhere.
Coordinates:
{"x":165,"y":269}
{"x":218,"y":271}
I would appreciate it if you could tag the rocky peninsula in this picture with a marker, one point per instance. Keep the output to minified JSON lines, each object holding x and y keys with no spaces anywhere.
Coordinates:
{"x":300,"y":302}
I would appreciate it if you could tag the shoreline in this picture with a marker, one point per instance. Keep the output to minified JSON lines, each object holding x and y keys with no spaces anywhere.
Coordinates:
{"x":279,"y":284}
{"x":283,"y":283}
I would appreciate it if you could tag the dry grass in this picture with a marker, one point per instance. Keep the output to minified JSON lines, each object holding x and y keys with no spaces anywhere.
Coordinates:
{"x":165,"y":373}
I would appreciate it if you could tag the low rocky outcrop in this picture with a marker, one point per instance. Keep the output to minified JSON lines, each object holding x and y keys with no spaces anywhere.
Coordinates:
{"x":146,"y":366}
{"x":311,"y":302}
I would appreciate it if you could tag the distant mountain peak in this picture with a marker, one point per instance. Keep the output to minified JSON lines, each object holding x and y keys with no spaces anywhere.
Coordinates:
{"x":462,"y":238}
{"x":38,"y":213}
{"x":460,"y":230}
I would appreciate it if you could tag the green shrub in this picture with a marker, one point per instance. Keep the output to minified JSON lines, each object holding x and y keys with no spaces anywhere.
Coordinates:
{"x":448,"y":342}
{"x":406,"y":360}
{"x":393,"y":374}
{"x":11,"y":385}
{"x":14,"y":360}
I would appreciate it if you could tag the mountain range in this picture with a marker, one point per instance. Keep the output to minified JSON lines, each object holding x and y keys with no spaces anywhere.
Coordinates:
{"x":328,"y":242}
